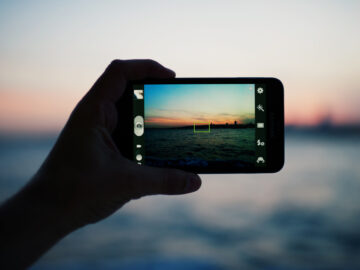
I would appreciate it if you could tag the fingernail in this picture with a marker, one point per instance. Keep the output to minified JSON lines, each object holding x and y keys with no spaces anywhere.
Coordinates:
{"x":192,"y":183}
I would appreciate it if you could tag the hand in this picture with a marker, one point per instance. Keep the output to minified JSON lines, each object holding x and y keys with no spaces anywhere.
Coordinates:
{"x":90,"y":177}
{"x":85,"y":178}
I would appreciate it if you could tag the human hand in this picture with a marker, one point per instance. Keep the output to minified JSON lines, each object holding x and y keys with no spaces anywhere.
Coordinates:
{"x":85,"y":176}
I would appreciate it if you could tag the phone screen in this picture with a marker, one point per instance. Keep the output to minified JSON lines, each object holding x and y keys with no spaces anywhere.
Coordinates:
{"x":200,"y":125}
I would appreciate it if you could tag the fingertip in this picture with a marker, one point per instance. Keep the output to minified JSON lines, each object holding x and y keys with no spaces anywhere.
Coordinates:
{"x":152,"y":181}
{"x":165,"y":71}
{"x":172,"y":73}
{"x":193,"y":183}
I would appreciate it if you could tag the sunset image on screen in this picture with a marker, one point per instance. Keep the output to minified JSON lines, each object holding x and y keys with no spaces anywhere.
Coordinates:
{"x":199,"y":125}
{"x":170,"y":106}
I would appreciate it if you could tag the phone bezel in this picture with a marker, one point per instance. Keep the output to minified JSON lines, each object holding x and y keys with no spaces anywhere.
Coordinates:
{"x":123,"y":133}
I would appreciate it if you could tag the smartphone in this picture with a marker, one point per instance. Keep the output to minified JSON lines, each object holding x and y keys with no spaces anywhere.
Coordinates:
{"x":203,"y":125}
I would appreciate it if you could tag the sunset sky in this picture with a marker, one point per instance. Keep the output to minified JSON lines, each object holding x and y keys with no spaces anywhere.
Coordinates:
{"x":51,"y":52}
{"x":169,"y":105}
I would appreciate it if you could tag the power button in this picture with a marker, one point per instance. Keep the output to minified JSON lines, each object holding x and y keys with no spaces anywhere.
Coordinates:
{"x":139,"y":125}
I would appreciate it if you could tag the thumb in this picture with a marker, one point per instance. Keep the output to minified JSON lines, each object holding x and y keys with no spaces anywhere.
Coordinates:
{"x":151,"y":181}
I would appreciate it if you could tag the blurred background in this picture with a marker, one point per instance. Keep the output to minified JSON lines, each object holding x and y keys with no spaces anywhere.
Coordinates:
{"x":305,"y":217}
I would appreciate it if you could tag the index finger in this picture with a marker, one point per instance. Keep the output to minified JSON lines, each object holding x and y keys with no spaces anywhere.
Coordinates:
{"x":111,"y":84}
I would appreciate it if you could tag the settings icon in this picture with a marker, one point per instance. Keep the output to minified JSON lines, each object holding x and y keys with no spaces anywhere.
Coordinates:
{"x":260,"y":90}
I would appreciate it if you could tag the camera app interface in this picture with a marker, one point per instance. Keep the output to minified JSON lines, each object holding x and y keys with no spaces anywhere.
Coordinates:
{"x":200,"y":125}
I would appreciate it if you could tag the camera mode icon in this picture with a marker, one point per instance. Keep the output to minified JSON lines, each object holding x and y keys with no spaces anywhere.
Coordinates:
{"x":260,"y":125}
{"x":260,"y":143}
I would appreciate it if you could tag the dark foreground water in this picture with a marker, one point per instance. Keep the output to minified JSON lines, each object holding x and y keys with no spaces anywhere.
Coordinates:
{"x":305,"y":217}
{"x":183,"y":147}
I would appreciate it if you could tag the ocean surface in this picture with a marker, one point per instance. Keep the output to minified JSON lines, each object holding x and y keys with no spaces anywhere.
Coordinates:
{"x":305,"y":217}
{"x":189,"y":148}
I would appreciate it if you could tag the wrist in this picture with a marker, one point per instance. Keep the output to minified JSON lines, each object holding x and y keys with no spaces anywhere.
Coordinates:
{"x":40,"y":198}
{"x":31,"y":222}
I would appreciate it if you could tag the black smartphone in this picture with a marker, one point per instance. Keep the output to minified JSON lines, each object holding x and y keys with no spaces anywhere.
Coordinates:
{"x":203,"y":125}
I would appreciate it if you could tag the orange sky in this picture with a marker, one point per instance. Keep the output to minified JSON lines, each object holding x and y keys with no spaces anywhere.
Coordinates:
{"x":26,"y":112}
{"x":51,"y":53}
{"x":186,"y":122}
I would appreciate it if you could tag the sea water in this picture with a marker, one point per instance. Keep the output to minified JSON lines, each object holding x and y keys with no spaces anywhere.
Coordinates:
{"x":200,"y":148}
{"x":305,"y":217}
